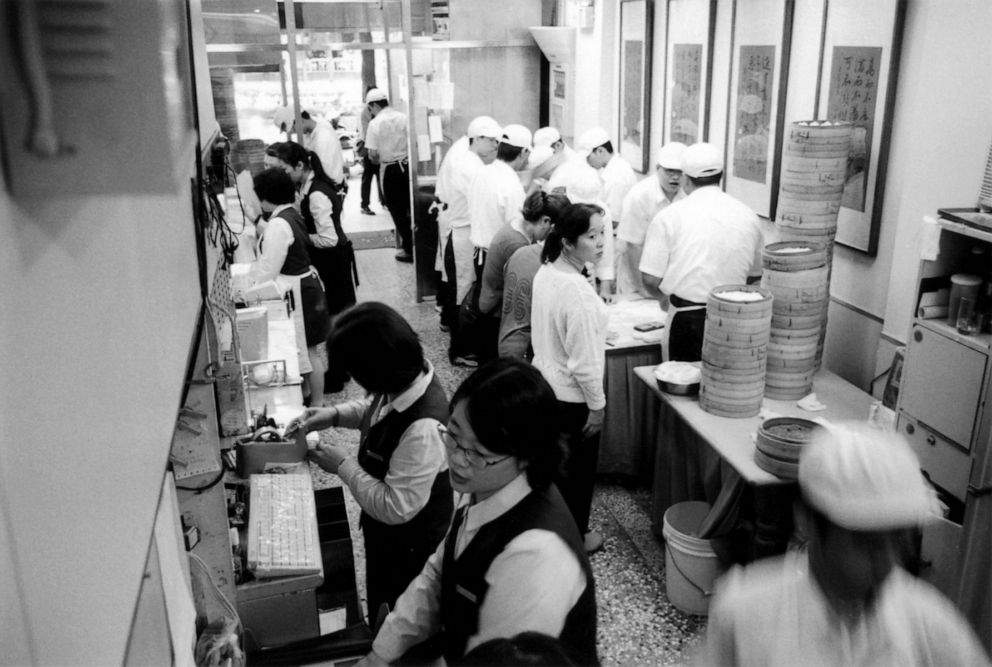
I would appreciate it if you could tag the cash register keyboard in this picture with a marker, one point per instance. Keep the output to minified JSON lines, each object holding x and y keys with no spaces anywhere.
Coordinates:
{"x":282,"y":527}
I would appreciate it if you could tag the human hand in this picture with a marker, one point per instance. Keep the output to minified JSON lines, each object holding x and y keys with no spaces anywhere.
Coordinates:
{"x":305,"y":421}
{"x":594,"y":422}
{"x":328,"y":457}
{"x":606,"y":291}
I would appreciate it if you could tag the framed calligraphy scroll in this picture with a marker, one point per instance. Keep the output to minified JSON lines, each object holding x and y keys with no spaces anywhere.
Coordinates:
{"x":635,"y":81}
{"x":759,"y":78}
{"x":857,"y":83}
{"x":688,"y":70}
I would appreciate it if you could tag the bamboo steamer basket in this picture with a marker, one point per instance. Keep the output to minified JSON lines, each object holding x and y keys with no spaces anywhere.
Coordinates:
{"x":823,"y":129}
{"x":792,"y":164}
{"x":735,"y":344}
{"x":793,"y":256}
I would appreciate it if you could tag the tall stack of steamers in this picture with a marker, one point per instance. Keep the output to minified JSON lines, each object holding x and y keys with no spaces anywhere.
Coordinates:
{"x":768,"y":341}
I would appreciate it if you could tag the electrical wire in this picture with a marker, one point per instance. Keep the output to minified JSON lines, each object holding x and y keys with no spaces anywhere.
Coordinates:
{"x":225,"y":602}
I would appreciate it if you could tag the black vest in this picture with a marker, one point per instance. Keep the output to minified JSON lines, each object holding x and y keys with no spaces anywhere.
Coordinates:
{"x":464,"y":587}
{"x":379,"y":442}
{"x":297,"y":258}
{"x":320,"y":185}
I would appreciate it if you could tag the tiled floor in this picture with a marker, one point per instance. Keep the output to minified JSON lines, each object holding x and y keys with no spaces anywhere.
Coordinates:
{"x":637,"y":624}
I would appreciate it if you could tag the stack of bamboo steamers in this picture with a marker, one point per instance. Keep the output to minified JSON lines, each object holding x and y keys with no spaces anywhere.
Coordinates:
{"x":768,"y":340}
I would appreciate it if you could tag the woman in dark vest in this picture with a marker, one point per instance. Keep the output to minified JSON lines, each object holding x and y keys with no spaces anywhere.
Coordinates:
{"x":513,"y":560}
{"x":283,"y":258}
{"x":399,"y":475}
{"x":330,"y":249}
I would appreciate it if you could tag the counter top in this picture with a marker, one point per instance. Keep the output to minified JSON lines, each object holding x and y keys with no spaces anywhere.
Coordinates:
{"x":733,"y":438}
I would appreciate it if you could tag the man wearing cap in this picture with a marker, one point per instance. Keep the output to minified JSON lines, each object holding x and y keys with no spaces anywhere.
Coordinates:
{"x":617,"y":174}
{"x":845,"y":599}
{"x":386,"y":142}
{"x":644,"y":201}
{"x":320,"y":137}
{"x":495,"y":198}
{"x":706,"y":240}
{"x":550,"y":152}
{"x":455,"y":177}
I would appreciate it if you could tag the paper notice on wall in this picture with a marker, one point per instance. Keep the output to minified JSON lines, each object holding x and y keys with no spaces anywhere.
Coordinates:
{"x":424,"y":148}
{"x":929,"y":239}
{"x":434,"y":129}
{"x":403,"y":87}
{"x":421,"y":92}
{"x":442,"y":95}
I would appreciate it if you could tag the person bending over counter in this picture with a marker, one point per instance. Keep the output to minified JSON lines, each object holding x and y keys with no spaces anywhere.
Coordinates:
{"x":283,"y":258}
{"x":399,"y":475}
{"x":513,"y":560}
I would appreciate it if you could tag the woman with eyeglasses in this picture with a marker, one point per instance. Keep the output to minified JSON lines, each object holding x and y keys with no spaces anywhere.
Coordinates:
{"x":398,"y":476}
{"x":568,"y":333}
{"x":513,"y":560}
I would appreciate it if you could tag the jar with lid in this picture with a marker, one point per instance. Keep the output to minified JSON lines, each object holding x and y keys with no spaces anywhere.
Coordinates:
{"x":962,"y":285}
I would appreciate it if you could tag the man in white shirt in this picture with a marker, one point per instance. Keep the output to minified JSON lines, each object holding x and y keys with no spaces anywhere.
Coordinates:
{"x":554,"y":152}
{"x":845,"y":599}
{"x":387,"y":144}
{"x":617,"y":174}
{"x":320,"y":137}
{"x":644,"y":201}
{"x":455,"y":177}
{"x":706,"y":240}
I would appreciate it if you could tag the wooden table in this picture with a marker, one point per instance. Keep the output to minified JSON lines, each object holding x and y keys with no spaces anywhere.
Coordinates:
{"x":700,"y":456}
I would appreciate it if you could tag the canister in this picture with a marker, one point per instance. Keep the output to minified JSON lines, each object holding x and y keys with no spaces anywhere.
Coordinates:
{"x":962,"y":284}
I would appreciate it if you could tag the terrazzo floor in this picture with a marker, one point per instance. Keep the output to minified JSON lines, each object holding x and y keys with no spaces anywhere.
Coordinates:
{"x":637,"y":624}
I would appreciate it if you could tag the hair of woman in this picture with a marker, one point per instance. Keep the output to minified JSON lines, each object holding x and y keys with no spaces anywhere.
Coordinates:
{"x":574,"y":221}
{"x":274,"y":186}
{"x":539,"y":203}
{"x":513,"y":411}
{"x":377,"y":347}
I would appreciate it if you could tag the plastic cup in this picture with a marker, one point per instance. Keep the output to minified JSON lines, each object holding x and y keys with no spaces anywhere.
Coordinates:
{"x":968,"y":321}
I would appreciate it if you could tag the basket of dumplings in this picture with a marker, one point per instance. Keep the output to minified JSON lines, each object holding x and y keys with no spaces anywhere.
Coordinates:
{"x":680,"y":378}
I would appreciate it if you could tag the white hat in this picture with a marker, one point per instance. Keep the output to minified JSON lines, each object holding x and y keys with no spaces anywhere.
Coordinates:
{"x":284,"y":116}
{"x":701,"y":160}
{"x":546,"y":136}
{"x":584,"y":185}
{"x":375,"y":95}
{"x":516,"y":135}
{"x":484,"y":126}
{"x":670,"y":155}
{"x":592,"y":139}
{"x":539,"y":156}
{"x":863,"y":478}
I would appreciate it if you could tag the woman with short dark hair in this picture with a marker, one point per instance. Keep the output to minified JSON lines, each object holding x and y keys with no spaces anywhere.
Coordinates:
{"x":568,"y":333}
{"x":398,"y":475}
{"x":513,"y":560}
{"x":284,"y":259}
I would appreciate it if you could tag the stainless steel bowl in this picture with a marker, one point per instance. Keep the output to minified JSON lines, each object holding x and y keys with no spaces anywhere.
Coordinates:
{"x":676,"y":389}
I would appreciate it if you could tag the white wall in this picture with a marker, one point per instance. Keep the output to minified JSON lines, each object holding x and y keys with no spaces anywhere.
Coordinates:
{"x":99,"y":300}
{"x":941,"y":129}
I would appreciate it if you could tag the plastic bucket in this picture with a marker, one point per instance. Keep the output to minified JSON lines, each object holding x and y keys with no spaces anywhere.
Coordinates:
{"x":691,"y":566}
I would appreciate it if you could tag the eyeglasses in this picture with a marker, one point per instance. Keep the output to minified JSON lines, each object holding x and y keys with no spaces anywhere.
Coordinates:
{"x":472,"y":457}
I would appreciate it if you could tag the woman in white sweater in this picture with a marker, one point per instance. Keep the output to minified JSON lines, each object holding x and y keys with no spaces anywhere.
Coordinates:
{"x":568,"y":321}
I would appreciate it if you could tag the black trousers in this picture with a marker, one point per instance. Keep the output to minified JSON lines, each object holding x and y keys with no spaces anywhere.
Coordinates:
{"x":685,"y":342}
{"x":396,"y":190}
{"x":370,"y":170}
{"x":578,"y":476}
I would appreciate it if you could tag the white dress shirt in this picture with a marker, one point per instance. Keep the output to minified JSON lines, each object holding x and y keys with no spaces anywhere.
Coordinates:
{"x":419,"y":458}
{"x":618,"y":178}
{"x":387,"y":136}
{"x":325,"y":142}
{"x":533,"y":583}
{"x":496,"y":198}
{"x":273,"y":247}
{"x":706,"y":240}
{"x":644,"y":201}
{"x":773,"y":613}
{"x":568,"y":333}
{"x":322,"y":211}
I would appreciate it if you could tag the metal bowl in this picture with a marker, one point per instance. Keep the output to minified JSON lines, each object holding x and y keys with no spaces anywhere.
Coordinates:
{"x":676,"y":389}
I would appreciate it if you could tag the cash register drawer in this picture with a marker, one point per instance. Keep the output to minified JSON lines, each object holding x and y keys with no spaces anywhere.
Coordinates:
{"x":947,"y":464}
